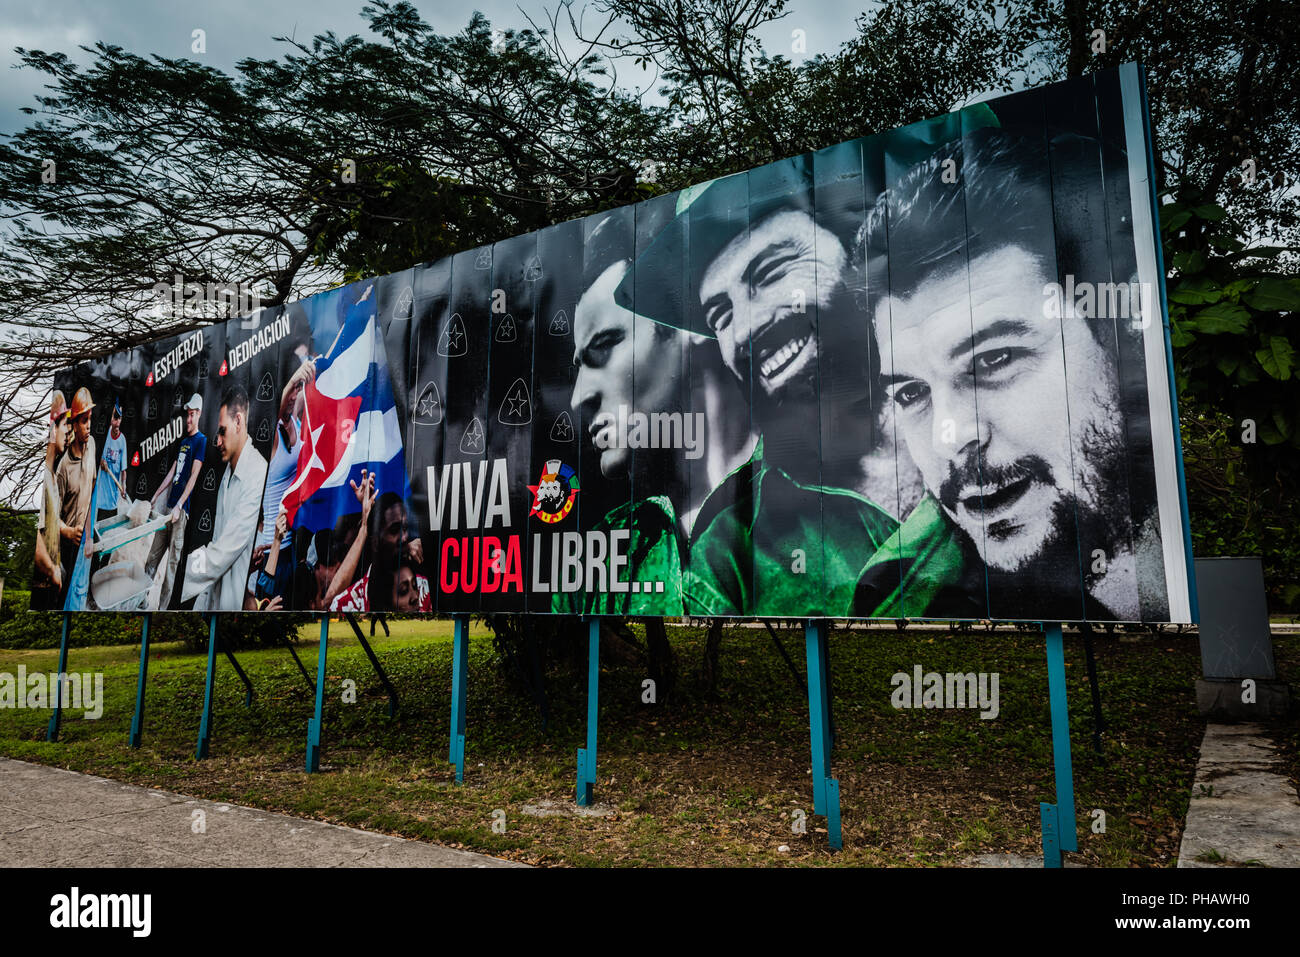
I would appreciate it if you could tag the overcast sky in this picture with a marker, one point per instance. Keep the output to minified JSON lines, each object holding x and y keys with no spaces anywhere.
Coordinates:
{"x":238,"y":28}
{"x":235,"y":29}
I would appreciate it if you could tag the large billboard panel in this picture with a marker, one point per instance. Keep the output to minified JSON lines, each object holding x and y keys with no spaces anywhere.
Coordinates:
{"x":919,"y":374}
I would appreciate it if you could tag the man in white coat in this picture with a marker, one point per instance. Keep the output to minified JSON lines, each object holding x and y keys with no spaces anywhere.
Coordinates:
{"x":217,"y":573}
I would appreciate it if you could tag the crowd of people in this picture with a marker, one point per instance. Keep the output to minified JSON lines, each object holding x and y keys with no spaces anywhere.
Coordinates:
{"x":368,"y":561}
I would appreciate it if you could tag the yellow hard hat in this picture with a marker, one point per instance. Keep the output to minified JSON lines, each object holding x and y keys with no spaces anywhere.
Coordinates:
{"x":82,"y":402}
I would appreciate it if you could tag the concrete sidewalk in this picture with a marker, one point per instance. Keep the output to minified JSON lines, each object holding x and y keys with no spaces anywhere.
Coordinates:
{"x":1243,"y":809}
{"x":50,"y":817}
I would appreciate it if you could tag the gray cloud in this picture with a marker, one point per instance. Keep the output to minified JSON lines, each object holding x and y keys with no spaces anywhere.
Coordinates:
{"x":240,"y":28}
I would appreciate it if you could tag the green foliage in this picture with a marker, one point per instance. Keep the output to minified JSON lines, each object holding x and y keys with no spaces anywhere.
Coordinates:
{"x":1237,"y":504}
{"x":23,"y":629}
{"x":346,"y":157}
{"x":697,"y":780}
{"x":1232,"y":316}
{"x":20,"y":628}
{"x":237,"y":631}
{"x":15,"y":602}
{"x":526,"y":646}
{"x":17,"y":548}
{"x":167,"y":165}
{"x":1232,"y":313}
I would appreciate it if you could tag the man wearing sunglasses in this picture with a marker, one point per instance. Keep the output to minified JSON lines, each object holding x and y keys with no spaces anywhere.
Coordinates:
{"x":47,"y":582}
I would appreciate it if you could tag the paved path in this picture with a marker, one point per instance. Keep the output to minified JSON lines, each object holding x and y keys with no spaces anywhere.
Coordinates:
{"x":50,"y":817}
{"x":1243,"y":809}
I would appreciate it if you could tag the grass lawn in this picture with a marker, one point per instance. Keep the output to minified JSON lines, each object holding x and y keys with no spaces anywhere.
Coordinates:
{"x":697,"y":779}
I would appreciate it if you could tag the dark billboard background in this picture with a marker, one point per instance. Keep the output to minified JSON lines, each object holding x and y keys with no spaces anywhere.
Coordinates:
{"x":835,"y":385}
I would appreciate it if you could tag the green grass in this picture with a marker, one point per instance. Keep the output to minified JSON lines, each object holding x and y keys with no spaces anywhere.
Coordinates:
{"x":696,"y":779}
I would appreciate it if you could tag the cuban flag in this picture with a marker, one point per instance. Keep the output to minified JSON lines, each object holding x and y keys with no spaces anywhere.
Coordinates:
{"x":349,"y":424}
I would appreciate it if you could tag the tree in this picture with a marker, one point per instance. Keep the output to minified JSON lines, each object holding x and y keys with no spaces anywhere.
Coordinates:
{"x":736,"y":106}
{"x":359,"y":156}
{"x":17,"y":545}
{"x":1223,"y":100}
{"x":1232,"y":314}
{"x":345,"y":157}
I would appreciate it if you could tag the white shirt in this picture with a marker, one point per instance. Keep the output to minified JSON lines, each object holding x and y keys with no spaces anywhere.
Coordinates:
{"x":218,"y":572}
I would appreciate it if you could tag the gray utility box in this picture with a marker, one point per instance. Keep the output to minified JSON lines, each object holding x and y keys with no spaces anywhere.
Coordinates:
{"x":1236,"y":642}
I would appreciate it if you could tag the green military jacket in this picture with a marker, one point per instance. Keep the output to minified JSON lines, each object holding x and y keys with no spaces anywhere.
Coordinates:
{"x":654,"y":553}
{"x":924,"y":570}
{"x":765,"y":544}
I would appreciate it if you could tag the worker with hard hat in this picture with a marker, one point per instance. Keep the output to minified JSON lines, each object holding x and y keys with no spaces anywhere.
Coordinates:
{"x":75,"y":481}
{"x":47,"y":581}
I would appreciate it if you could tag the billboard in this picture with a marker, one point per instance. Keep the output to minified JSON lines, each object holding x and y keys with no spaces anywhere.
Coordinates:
{"x":921,"y":374}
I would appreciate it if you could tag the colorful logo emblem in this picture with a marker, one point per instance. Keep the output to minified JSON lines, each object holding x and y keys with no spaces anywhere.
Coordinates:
{"x":555,"y":492}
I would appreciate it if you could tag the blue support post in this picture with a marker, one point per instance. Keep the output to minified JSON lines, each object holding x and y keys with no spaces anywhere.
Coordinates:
{"x":314,"y":724}
{"x":298,"y":661}
{"x":1051,"y":836}
{"x":835,"y":837}
{"x":587,"y":755}
{"x":205,"y":725}
{"x":816,"y":715}
{"x":248,"y":685}
{"x":1060,"y":833}
{"x":137,"y":719}
{"x":826,"y":789}
{"x":374,"y":663}
{"x":52,"y":729}
{"x":459,"y":672}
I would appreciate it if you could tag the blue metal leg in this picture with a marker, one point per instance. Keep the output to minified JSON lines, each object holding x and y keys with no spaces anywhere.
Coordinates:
{"x":298,"y":661}
{"x":1060,"y":832}
{"x":1051,"y":836}
{"x":816,"y":715}
{"x":205,"y":725}
{"x":374,"y":662}
{"x":587,"y":755}
{"x":52,"y":729}
{"x":248,"y":685}
{"x":835,"y":837}
{"x":314,"y":724}
{"x":826,"y":790}
{"x":137,"y":719}
{"x":459,"y":669}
